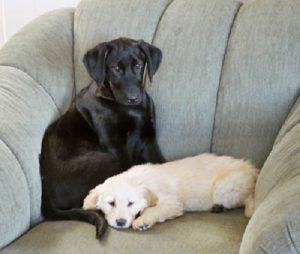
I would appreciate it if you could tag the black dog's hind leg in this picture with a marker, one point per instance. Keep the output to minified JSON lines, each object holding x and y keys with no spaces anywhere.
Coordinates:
{"x":80,"y":174}
{"x":93,"y":217}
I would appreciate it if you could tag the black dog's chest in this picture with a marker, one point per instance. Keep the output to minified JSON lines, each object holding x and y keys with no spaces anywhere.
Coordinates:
{"x":127,"y":132}
{"x":132,"y":129}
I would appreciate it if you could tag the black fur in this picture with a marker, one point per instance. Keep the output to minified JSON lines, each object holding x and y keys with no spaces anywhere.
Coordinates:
{"x":109,"y":127}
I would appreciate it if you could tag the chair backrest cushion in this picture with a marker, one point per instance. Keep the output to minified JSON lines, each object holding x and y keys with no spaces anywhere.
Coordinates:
{"x":229,"y":75}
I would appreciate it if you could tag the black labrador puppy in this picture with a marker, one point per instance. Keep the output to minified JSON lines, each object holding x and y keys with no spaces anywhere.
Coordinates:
{"x":109,"y":127}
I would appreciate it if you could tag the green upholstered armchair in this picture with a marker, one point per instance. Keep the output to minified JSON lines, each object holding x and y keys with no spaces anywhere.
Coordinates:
{"x":228,"y":84}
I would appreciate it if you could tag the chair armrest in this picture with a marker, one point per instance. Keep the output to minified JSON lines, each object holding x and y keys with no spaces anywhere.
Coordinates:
{"x":275,"y":225}
{"x":43,"y":49}
{"x":36,"y":86}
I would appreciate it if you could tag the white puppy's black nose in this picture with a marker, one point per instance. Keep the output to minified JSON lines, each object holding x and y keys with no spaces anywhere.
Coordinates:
{"x":121,"y":222}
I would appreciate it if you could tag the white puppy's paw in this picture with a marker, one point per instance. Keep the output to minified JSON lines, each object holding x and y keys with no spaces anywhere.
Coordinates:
{"x":142,"y":223}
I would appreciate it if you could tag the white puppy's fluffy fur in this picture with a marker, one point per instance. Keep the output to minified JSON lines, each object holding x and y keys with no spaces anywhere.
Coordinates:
{"x":163,"y":191}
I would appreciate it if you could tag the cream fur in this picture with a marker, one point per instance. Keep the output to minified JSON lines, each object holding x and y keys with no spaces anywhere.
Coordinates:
{"x":165,"y":191}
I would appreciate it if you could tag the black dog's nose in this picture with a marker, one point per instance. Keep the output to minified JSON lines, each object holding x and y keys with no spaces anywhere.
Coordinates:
{"x":121,"y":222}
{"x":132,"y":99}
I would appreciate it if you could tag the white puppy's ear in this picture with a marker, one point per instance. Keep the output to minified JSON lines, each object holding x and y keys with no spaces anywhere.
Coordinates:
{"x":90,"y":201}
{"x":150,"y":197}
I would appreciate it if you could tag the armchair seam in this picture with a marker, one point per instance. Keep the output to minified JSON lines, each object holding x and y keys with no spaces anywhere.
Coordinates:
{"x":291,"y":238}
{"x":73,"y":57}
{"x":40,"y":85}
{"x":156,"y":29}
{"x":281,"y":137}
{"x":18,"y":161}
{"x":263,"y":250}
{"x":160,"y":18}
{"x":221,"y":73}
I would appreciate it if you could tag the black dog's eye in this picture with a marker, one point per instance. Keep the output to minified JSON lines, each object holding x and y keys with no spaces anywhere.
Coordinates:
{"x":116,"y":68}
{"x":130,"y":204}
{"x":138,"y":66}
{"x":112,"y":203}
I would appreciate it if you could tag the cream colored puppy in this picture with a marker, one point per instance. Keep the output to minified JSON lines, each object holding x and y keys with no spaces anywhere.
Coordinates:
{"x":151,"y":193}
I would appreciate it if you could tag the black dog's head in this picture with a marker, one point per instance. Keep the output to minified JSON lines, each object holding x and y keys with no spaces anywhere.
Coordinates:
{"x":118,"y":68}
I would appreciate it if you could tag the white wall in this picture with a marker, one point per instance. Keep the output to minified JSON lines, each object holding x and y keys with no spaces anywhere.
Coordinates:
{"x":16,"y":13}
{"x":2,"y":32}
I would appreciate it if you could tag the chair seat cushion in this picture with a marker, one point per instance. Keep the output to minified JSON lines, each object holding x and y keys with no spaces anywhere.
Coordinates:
{"x":191,"y":233}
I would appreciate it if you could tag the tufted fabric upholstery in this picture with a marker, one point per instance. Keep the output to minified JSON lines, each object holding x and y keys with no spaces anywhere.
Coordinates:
{"x":228,"y":84}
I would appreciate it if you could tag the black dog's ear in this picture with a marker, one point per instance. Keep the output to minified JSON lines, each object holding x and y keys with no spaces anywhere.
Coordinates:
{"x":94,"y":62}
{"x":153,"y":57}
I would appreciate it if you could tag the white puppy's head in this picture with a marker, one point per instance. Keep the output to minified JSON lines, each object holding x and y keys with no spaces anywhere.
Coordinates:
{"x":120,"y":200}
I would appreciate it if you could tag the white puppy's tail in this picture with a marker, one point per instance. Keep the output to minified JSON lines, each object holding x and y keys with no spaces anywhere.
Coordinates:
{"x":249,"y":205}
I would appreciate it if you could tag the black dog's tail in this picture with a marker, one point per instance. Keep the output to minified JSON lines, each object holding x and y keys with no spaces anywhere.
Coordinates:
{"x":93,"y":217}
{"x":52,"y":213}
